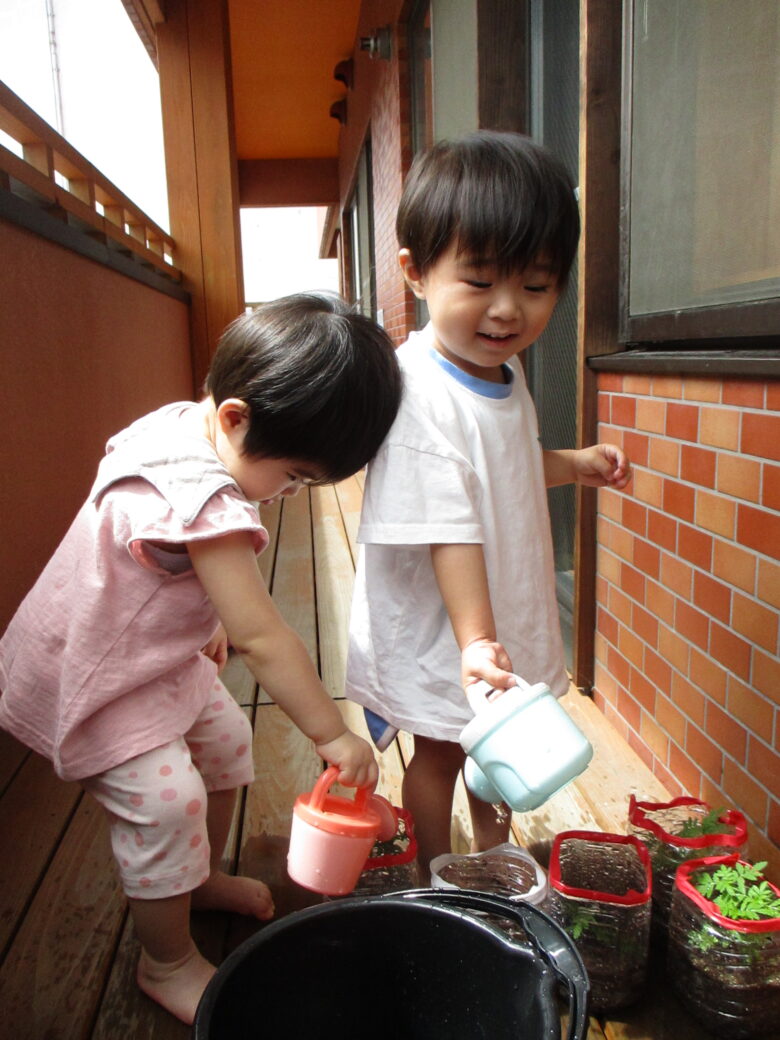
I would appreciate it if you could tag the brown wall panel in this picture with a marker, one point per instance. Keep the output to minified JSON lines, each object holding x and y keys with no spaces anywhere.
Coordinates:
{"x":83,"y":351}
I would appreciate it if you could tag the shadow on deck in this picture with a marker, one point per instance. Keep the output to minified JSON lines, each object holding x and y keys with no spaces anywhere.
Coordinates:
{"x":67,"y":949}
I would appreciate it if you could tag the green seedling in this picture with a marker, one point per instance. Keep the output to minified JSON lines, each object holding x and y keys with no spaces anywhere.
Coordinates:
{"x":740,"y":893}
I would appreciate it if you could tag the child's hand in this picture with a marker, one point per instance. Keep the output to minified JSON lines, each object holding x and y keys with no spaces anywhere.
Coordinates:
{"x":602,"y":465}
{"x":217,"y":649}
{"x":354,"y":757}
{"x":484,"y":659}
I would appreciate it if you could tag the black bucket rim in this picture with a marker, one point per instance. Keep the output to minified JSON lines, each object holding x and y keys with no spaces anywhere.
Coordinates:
{"x":563,"y":965}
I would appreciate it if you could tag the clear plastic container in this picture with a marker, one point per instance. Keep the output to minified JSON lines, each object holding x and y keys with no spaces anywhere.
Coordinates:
{"x":392,"y":864}
{"x":504,"y":870}
{"x":600,"y":893}
{"x":726,"y":972}
{"x":674,"y":832}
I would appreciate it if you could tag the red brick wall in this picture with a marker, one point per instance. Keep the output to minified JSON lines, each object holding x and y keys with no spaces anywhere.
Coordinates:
{"x":378,"y":109}
{"x":688,"y":589}
{"x":391,"y":157}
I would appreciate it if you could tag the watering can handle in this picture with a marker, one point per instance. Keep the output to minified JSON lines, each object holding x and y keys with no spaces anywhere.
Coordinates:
{"x":323,"y":785}
{"x":479,"y":693}
{"x":547,"y":937}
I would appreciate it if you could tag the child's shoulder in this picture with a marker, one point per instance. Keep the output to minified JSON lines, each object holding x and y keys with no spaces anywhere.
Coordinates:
{"x":149,"y":423}
{"x":414,"y":351}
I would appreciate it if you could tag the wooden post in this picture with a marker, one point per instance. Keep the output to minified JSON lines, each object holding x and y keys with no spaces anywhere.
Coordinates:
{"x":193,"y":46}
{"x":502,"y":64}
{"x":600,"y":65}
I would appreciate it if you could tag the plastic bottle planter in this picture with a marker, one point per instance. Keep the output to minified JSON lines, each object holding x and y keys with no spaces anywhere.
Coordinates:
{"x":600,"y":893}
{"x":522,"y":746}
{"x":727,"y":972}
{"x":504,"y":870}
{"x":392,"y":864}
{"x":676,"y":831}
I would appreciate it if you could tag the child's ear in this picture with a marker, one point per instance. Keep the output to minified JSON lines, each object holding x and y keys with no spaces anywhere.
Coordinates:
{"x":232,"y":415}
{"x":411,"y":273}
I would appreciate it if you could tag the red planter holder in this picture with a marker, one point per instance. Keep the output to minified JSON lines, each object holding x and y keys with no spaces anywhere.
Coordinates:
{"x":726,"y":972}
{"x":656,"y":824}
{"x":600,"y":893}
{"x":395,"y":871}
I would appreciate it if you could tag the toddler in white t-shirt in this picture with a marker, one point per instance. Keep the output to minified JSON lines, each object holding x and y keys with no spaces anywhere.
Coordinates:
{"x":455,"y":581}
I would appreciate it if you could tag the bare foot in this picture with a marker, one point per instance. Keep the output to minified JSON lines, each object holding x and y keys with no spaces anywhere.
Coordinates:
{"x":179,"y":985}
{"x":239,"y":895}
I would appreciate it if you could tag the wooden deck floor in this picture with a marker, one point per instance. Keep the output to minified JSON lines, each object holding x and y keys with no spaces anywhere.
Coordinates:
{"x":67,"y":949}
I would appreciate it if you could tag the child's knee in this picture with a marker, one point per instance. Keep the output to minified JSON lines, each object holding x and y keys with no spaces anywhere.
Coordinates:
{"x":220,"y":743}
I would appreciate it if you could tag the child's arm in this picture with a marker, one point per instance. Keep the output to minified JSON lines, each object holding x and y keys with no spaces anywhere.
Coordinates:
{"x":462,"y":580}
{"x":601,"y":465}
{"x":275,"y":654}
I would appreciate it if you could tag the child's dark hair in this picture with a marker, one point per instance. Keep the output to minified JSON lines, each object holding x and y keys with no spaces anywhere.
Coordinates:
{"x":500,"y":197}
{"x":321,"y":381}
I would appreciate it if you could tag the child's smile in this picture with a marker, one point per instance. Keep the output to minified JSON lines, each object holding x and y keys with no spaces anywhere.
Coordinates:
{"x":480,"y":315}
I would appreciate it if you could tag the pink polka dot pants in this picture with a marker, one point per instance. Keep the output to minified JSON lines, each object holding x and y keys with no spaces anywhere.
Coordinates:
{"x":156,"y":802}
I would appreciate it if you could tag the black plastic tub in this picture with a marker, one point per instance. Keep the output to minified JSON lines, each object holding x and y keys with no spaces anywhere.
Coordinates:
{"x":418,"y":965}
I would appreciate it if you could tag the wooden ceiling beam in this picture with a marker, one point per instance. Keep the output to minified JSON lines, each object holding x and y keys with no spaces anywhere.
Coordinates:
{"x":288,"y":182}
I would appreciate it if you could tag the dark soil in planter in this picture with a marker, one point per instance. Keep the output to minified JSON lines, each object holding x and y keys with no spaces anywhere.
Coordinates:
{"x":496,"y":873}
{"x":612,"y":938}
{"x":725,"y":1000}
{"x":728,"y":978}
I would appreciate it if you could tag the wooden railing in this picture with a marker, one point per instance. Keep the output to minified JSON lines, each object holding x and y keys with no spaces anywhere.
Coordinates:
{"x":53,"y":175}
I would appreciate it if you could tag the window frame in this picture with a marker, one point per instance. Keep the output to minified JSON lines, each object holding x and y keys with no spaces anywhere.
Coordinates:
{"x":359,"y":236}
{"x":730,"y":326}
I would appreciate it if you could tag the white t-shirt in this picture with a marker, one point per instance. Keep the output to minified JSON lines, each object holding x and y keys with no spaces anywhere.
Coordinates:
{"x":461,"y":464}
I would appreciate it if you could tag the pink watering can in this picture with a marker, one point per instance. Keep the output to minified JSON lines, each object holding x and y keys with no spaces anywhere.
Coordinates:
{"x":332,"y":836}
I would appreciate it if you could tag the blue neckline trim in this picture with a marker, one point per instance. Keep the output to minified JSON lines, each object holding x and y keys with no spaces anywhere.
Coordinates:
{"x":484,"y":387}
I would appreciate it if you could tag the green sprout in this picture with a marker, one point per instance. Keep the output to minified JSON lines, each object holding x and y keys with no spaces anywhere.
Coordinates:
{"x":739,"y":891}
{"x":741,"y":894}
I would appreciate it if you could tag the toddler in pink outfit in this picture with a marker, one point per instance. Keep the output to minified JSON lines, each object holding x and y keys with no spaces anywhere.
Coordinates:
{"x":110,"y":665}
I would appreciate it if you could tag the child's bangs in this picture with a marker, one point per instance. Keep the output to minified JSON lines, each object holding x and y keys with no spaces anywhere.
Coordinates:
{"x":497,"y":227}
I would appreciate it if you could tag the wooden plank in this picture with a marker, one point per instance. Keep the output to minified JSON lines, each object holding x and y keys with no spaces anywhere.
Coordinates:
{"x":287,"y":567}
{"x":270,"y":517}
{"x":286,"y":764}
{"x":51,"y":980}
{"x":334,"y":574}
{"x":293,"y":581}
{"x":127,"y":1012}
{"x":34,"y":813}
{"x":239,"y":680}
{"x":566,"y":810}
{"x":503,"y":47}
{"x":350,"y":497}
{"x":595,"y":1032}
{"x":615,"y":772}
{"x":12,"y":754}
